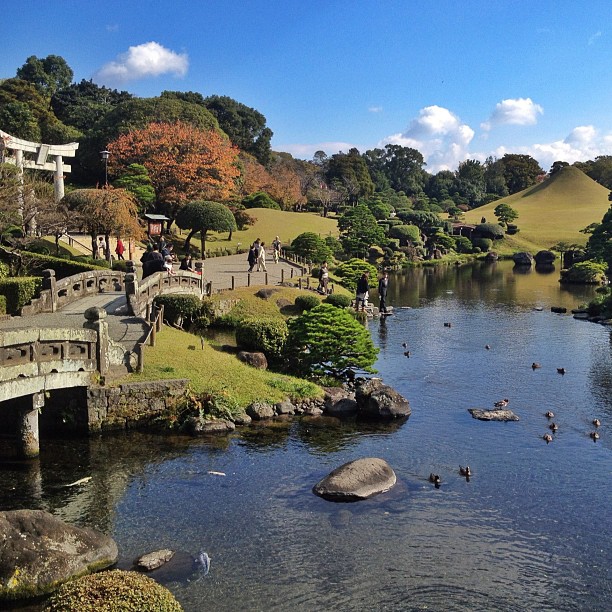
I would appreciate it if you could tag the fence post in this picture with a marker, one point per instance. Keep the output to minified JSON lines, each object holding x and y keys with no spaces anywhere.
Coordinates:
{"x":292,"y":272}
{"x":153,"y":334}
{"x":282,"y":275}
{"x":266,"y":282}
{"x":308,"y":282}
{"x":48,"y":283}
{"x":233,"y":282}
{"x":248,"y":280}
{"x":140,"y":354}
{"x":159,"y":321}
{"x":300,"y":282}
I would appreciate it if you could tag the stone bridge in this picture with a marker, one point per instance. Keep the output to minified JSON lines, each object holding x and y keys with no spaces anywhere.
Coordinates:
{"x":89,"y":325}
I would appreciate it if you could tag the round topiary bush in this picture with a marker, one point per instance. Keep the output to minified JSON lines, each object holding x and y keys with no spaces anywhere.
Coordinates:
{"x":306,"y":302}
{"x":484,"y":244}
{"x":112,"y":591}
{"x":339,"y":300}
{"x":179,"y":308}
{"x":267,"y":335}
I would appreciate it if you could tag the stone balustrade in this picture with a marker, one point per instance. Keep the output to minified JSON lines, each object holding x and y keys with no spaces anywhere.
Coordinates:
{"x":58,"y":293}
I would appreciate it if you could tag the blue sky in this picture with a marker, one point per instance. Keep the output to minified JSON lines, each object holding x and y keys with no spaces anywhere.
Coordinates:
{"x":454,"y":80}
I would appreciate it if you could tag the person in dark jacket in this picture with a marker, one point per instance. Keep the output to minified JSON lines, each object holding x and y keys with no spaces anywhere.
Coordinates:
{"x":362,"y":291}
{"x":154,"y":263}
{"x":383,"y":285}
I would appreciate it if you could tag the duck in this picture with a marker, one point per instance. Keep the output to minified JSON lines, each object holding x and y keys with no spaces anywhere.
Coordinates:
{"x":547,"y":438}
{"x":561,"y":370}
{"x":553,"y":427}
{"x":535,"y":366}
{"x":406,"y":353}
{"x":488,"y":347}
{"x":502,"y":403}
{"x":405,"y":345}
{"x":594,"y":435}
{"x":435,"y":478}
{"x":465,"y":471}
{"x":596,"y":422}
{"x":447,"y":325}
{"x":549,"y":414}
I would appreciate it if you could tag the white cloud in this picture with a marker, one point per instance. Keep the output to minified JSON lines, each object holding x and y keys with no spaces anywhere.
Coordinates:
{"x":582,"y":143}
{"x":594,"y":38}
{"x":142,"y":61}
{"x":375,"y":109}
{"x":517,"y":111}
{"x":439,"y":135}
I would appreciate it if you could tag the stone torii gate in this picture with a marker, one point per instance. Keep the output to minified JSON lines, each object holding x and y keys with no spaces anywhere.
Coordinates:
{"x":42,"y":151}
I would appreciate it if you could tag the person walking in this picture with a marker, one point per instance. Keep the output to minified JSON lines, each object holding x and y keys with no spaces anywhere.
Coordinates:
{"x":323,"y":279}
{"x":119,"y":249}
{"x":362,"y":291}
{"x":276,"y":246}
{"x":252,"y":257}
{"x":101,"y":250}
{"x":261,"y":258}
{"x":383,"y":285}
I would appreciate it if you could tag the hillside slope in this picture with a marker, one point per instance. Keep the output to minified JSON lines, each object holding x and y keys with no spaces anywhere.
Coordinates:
{"x":552,"y":211}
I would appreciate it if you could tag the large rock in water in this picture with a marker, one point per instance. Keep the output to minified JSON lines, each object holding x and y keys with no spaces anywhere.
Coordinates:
{"x":543,"y":258}
{"x":38,"y":552}
{"x":356,"y":480}
{"x":375,"y":400}
{"x":522,"y":259}
{"x":493,"y":415}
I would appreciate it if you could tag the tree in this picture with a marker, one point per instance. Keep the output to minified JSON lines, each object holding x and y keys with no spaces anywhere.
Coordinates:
{"x":470,"y":182}
{"x":136,"y":180}
{"x":82,"y":105}
{"x":558,"y":165}
{"x":599,"y":245}
{"x":245,"y":126}
{"x":204,"y":216}
{"x":259,"y":199}
{"x":520,"y":171}
{"x":505,"y":213}
{"x":312,"y":247}
{"x":183,"y":162}
{"x":350,"y":171}
{"x":104,"y":211}
{"x":48,"y":74}
{"x":359,"y":231}
{"x":329,"y":340}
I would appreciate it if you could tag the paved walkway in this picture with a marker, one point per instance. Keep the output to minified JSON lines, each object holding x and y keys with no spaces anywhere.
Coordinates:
{"x":128,"y":330}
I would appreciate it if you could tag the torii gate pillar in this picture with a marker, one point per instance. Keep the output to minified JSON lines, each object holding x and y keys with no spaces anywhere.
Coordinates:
{"x":42,"y":151}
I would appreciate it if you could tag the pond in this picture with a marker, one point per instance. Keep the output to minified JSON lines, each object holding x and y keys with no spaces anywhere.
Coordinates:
{"x":529,"y":530}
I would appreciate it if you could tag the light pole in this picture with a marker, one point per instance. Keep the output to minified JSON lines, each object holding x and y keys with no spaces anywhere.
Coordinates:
{"x":104,"y":155}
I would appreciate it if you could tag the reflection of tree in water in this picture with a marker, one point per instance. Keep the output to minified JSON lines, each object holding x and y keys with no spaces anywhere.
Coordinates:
{"x":324,"y":435}
{"x":545,"y":268}
{"x":600,"y":377}
{"x":264,"y":436}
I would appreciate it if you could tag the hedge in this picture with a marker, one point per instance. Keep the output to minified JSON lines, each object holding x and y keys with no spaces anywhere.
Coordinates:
{"x":338,"y":299}
{"x":267,"y":335}
{"x":179,"y":307}
{"x":2,"y":304}
{"x":18,"y":291}
{"x":306,"y":302}
{"x":36,"y":263}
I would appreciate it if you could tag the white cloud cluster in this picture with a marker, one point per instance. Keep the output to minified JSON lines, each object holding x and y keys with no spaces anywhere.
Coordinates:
{"x":147,"y":60}
{"x":582,"y":143}
{"x":439,"y":135}
{"x":517,"y":111}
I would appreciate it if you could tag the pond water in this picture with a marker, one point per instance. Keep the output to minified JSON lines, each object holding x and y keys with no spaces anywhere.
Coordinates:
{"x":529,"y":531}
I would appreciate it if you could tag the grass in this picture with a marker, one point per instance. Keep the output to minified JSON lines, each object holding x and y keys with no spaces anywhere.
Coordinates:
{"x":270,"y":223}
{"x":551,"y":212}
{"x":178,"y":354}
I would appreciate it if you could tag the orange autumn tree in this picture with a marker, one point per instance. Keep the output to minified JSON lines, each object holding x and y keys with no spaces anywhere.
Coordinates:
{"x":184,"y":163}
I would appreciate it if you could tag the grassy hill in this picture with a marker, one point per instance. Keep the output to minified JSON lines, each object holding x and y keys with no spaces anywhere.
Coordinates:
{"x":271,"y":223}
{"x":550,"y":212}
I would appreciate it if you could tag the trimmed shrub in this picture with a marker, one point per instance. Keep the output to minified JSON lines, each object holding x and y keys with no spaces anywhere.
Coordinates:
{"x":585,"y":273}
{"x":350,"y":271}
{"x":512,"y":229}
{"x":463,"y":244}
{"x":18,"y":291}
{"x":406,"y":234}
{"x":120,"y":265}
{"x":259,"y":199}
{"x":111,"y":591}
{"x":36,"y":263}
{"x":338,"y":299}
{"x":484,"y":244}
{"x":489,"y":230}
{"x":306,"y":302}
{"x":179,"y":308}
{"x":2,"y":304}
{"x":267,"y":335}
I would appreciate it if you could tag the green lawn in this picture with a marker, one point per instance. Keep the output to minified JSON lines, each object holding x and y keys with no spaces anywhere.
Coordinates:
{"x":553,"y":211}
{"x":270,"y":223}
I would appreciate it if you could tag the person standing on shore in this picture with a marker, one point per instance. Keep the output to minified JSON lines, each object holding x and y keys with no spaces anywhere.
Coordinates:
{"x":276,"y":246}
{"x":323,"y":278}
{"x":362,"y":291}
{"x":383,"y":285}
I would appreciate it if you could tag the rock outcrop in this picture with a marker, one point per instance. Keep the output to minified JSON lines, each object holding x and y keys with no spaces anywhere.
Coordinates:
{"x":544,"y":258}
{"x":255,"y":359}
{"x":39,"y":552}
{"x":356,"y":480}
{"x":493,"y":415}
{"x":522,"y":259}
{"x":376,"y":400}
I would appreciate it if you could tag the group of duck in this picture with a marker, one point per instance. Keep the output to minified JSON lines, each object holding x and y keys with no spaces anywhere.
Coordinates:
{"x":549,"y":414}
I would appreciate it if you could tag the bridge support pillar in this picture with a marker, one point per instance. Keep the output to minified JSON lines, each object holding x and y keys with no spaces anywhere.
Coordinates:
{"x":28,"y":436}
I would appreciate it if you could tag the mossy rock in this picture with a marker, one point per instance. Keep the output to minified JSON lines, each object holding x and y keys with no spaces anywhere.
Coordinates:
{"x":113,"y":591}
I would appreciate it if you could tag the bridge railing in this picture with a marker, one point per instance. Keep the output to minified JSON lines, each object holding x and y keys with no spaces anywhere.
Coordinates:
{"x":57,"y":293}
